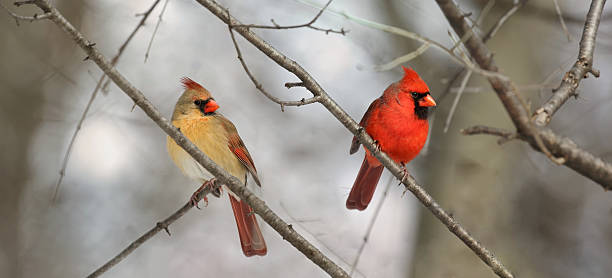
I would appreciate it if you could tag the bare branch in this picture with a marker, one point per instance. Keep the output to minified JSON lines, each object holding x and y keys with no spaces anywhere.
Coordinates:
{"x":21,"y":17}
{"x":481,"y":129}
{"x":159,"y":226}
{"x":114,"y":61}
{"x":308,"y":24}
{"x":503,"y":19}
{"x":560,"y":15}
{"x":490,"y":34}
{"x":159,"y":20}
{"x":403,"y":59}
{"x":260,"y":87}
{"x":414,"y":36}
{"x":464,"y":82}
{"x":410,"y":183}
{"x":259,"y":206}
{"x":583,"y":66}
{"x":580,"y":160}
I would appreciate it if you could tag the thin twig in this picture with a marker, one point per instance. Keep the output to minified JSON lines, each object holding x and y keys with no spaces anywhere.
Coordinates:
{"x":258,"y":85}
{"x":233,"y":183}
{"x":464,"y":82}
{"x":308,"y":24}
{"x":481,"y":129}
{"x":366,"y":237}
{"x":560,"y":15}
{"x":300,"y":223}
{"x":580,"y":69}
{"x":517,"y":5}
{"x":409,"y":182}
{"x":114,"y":61}
{"x":159,"y":226}
{"x":413,"y":36}
{"x":18,"y":17}
{"x":403,"y":59}
{"x":159,"y":20}
{"x":490,"y":34}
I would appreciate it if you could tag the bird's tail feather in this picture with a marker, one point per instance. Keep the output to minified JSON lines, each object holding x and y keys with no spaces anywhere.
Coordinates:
{"x":364,"y":186}
{"x":251,"y":239}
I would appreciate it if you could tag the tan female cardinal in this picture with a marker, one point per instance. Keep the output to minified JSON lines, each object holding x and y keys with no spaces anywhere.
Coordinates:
{"x":397,"y":121}
{"x":195,"y":114}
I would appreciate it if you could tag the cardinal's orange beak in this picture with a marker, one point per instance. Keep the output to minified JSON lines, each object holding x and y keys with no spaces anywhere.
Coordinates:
{"x":211,"y":106}
{"x":427,"y":101}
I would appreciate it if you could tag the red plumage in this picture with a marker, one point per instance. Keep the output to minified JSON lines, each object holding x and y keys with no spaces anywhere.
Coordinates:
{"x":251,"y":239}
{"x":190,"y":84}
{"x":397,"y":121}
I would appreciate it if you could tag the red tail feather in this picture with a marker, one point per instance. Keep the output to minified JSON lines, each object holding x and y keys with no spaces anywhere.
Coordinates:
{"x":251,"y":239}
{"x":364,"y":186}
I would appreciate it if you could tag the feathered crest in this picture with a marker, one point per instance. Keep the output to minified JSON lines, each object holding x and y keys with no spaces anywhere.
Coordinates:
{"x":412,"y":81}
{"x":189,"y":84}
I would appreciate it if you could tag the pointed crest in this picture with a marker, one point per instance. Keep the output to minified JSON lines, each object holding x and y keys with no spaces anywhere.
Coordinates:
{"x":189,"y":84}
{"x":412,"y":82}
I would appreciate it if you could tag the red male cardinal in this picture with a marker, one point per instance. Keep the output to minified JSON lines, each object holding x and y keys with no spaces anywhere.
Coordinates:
{"x":397,"y":121}
{"x":195,"y":114}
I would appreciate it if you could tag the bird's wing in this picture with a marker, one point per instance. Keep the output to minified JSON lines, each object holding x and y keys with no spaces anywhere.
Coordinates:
{"x":364,"y":121}
{"x":238,"y":148}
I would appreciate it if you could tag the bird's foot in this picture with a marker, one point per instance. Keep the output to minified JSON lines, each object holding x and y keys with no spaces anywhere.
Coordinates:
{"x":215,"y":191}
{"x":377,"y":145}
{"x":405,"y":174}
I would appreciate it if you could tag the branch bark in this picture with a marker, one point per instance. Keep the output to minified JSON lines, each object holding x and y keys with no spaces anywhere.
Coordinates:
{"x":580,"y":69}
{"x":309,"y":83}
{"x":259,"y":206}
{"x":540,"y":139}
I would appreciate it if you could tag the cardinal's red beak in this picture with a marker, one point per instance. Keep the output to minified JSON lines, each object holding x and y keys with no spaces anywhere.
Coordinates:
{"x":211,"y":106}
{"x":427,"y":101}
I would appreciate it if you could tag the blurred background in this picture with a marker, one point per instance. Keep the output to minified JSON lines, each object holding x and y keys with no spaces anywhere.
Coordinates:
{"x":540,"y":219}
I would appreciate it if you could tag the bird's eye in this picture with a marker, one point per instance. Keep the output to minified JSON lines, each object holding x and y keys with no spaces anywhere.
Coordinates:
{"x":415,"y":95}
{"x":197,"y":102}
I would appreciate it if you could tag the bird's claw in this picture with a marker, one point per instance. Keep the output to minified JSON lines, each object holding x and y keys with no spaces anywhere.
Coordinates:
{"x":405,"y":175}
{"x":377,"y":145}
{"x":215,"y":191}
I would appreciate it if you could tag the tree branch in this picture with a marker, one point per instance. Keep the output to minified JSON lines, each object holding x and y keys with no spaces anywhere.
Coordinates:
{"x":309,"y":83}
{"x":414,"y":36}
{"x":562,"y":21}
{"x":162,"y":225}
{"x":18,"y":17}
{"x":260,"y":87}
{"x":481,"y":129}
{"x":580,"y":70}
{"x":503,"y":19}
{"x":541,"y":139}
{"x":305,"y":25}
{"x":259,"y":206}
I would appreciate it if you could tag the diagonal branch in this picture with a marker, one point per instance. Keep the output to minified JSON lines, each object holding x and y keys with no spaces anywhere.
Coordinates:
{"x":562,"y":21}
{"x":575,"y":158}
{"x":259,"y":206}
{"x":159,"y":226}
{"x":309,"y":83}
{"x":580,"y":70}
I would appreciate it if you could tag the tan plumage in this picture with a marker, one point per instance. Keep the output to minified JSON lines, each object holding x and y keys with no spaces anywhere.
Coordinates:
{"x":196,"y":116}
